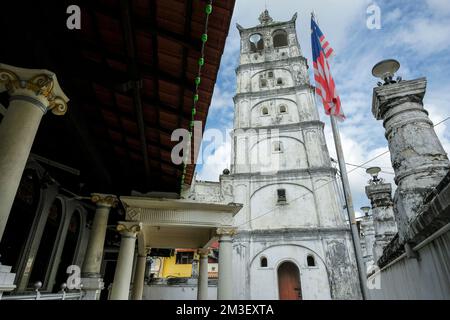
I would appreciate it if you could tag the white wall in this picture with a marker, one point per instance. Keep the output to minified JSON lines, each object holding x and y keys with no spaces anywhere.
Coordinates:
{"x":175,"y":292}
{"x":264,"y":281}
{"x":412,"y":279}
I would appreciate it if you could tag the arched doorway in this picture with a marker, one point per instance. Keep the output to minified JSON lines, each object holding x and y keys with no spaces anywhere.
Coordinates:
{"x":289,"y":286}
{"x":46,"y":245}
{"x":69,"y":250}
{"x":20,"y":221}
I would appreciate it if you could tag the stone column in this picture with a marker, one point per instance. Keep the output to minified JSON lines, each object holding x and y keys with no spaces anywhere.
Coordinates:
{"x":122,"y":277}
{"x":369,"y":239}
{"x":384,"y":224}
{"x":139,"y":276}
{"x":32,"y":93}
{"x":202,"y":284}
{"x":417,"y":156}
{"x":225,"y":285}
{"x":91,"y":277}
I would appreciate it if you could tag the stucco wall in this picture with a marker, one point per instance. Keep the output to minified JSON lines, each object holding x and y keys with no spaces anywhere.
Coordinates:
{"x":425,"y":278}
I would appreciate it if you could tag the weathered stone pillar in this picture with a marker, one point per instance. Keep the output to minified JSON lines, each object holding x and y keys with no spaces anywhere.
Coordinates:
{"x":139,"y":276}
{"x":384,"y":224}
{"x":202,"y":284}
{"x":225,"y":284}
{"x":91,"y":277}
{"x":417,"y":156}
{"x":32,"y":93}
{"x":369,"y":239}
{"x":122,"y":277}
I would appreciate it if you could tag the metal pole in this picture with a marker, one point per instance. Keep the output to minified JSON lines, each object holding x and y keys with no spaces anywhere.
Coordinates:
{"x":350,"y":210}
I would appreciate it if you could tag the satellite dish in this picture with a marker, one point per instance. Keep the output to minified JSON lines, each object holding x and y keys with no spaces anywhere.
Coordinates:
{"x":254,"y":38}
{"x":386,"y":70}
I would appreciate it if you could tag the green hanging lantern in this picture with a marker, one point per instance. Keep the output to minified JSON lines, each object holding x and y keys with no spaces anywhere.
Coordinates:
{"x":204,"y":37}
{"x":201,"y":61}
{"x":208,"y":9}
{"x":196,"y":97}
{"x":197,"y":80}
{"x":194,"y":111}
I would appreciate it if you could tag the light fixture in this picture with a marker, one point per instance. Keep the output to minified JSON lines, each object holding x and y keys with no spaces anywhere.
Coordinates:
{"x":365,"y":210}
{"x":374,"y":171}
{"x":385,"y":70}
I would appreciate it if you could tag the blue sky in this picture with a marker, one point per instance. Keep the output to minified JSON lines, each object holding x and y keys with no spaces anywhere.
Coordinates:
{"x":415,"y":32}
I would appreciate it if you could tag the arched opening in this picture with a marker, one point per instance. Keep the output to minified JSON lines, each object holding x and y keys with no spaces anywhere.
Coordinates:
{"x":310,"y":261}
{"x":289,"y":287}
{"x":263,"y":262}
{"x":264,"y":111}
{"x":280,"y":39}
{"x":279,"y":81}
{"x":20,"y":221}
{"x":48,"y":241}
{"x":256,"y":42}
{"x":283,"y":109}
{"x":68,"y":252}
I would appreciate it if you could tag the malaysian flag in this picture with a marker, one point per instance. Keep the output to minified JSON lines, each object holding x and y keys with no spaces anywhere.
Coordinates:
{"x":325,"y":86}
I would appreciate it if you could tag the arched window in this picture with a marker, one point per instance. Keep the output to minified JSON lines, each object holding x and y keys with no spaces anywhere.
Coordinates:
{"x":279,"y":81}
{"x":283,"y":109}
{"x":263,"y":262}
{"x":47,"y":244}
{"x":310,"y":261}
{"x":280,"y":39}
{"x":256,"y":42}
{"x":20,"y":222}
{"x":264,"y":111}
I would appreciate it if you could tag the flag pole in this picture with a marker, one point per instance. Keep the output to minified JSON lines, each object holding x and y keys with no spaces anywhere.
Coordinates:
{"x":350,"y":209}
{"x":348,"y":201}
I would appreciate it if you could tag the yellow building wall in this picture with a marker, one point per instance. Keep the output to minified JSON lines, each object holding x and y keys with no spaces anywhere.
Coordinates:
{"x":171,"y":269}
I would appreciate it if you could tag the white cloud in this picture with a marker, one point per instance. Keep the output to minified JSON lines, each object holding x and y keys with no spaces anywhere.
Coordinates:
{"x":439,"y":7}
{"x":424,"y":36}
{"x":215,"y":163}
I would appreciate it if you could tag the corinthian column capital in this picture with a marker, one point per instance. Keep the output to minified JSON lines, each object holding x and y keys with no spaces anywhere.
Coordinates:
{"x":104,"y":200}
{"x":129,"y":229}
{"x":226,"y":231}
{"x":38,"y":86}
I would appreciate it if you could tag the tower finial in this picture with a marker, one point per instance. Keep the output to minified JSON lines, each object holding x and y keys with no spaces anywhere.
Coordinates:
{"x":264,"y":17}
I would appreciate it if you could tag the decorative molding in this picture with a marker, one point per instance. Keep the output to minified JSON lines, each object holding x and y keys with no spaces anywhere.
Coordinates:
{"x":134,"y":214}
{"x":180,"y":217}
{"x":34,"y":84}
